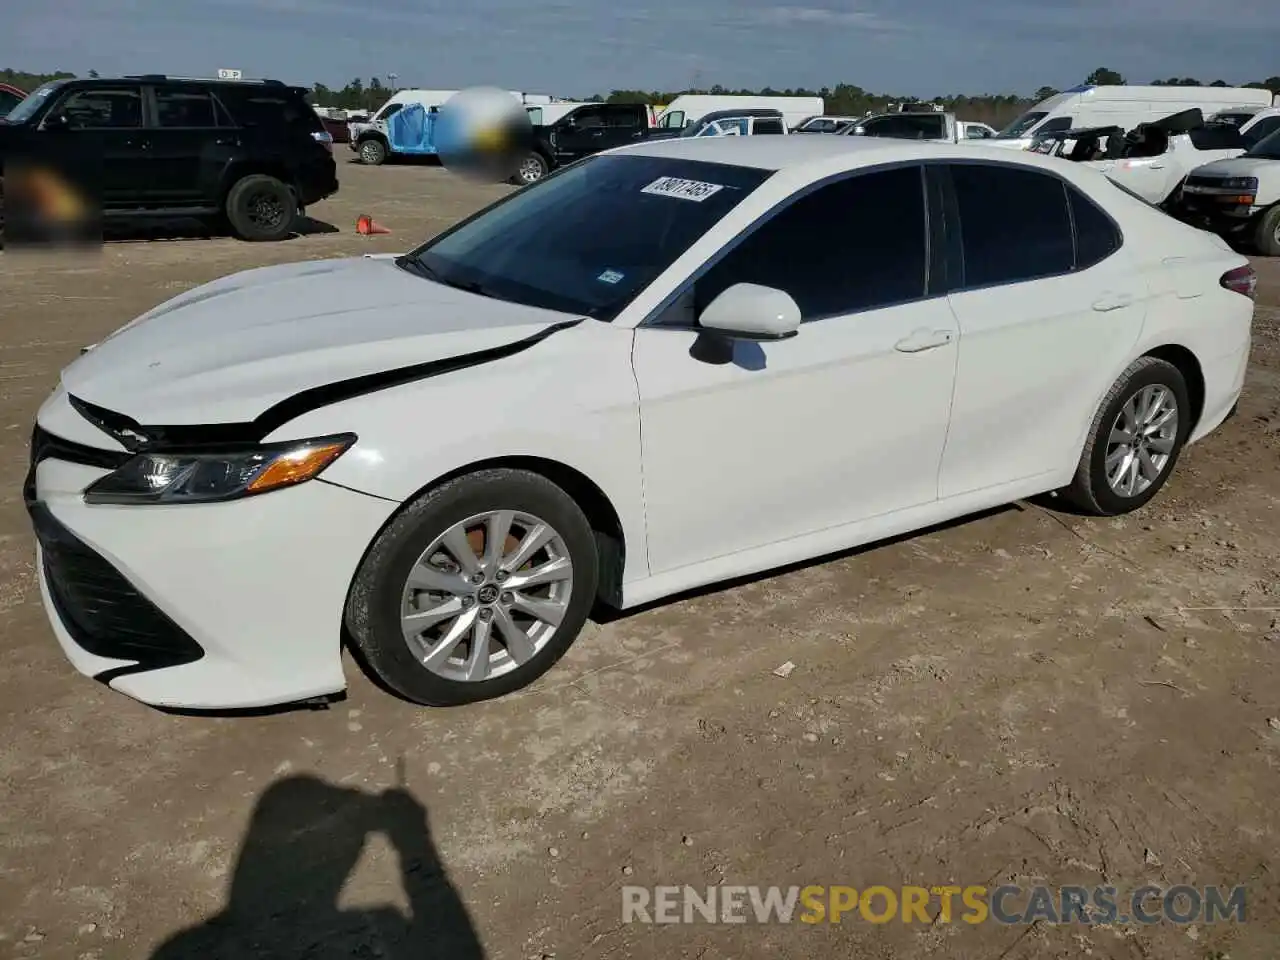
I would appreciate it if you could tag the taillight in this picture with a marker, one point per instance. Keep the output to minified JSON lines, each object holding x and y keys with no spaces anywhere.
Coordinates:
{"x":1242,"y":280}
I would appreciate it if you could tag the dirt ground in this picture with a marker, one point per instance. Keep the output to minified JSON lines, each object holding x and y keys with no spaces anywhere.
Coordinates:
{"x":1027,"y":697}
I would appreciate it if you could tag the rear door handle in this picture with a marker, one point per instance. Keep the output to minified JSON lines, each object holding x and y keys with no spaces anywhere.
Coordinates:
{"x":922,"y":340}
{"x":1113,"y":301}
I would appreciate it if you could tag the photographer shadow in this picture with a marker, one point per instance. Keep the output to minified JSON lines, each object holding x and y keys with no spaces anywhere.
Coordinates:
{"x":305,"y":838}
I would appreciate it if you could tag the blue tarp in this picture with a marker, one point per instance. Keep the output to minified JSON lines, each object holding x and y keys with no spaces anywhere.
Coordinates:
{"x":411,"y":130}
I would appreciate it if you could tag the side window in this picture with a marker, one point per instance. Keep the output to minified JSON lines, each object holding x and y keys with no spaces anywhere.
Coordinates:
{"x":588,"y":118}
{"x":857,"y":244}
{"x":388,"y":111}
{"x":1055,"y":125}
{"x":103,"y":108}
{"x":673,"y":120}
{"x":974,"y":132}
{"x":185,"y":108}
{"x":1261,"y":130}
{"x":535,"y":115}
{"x":1014,"y":224}
{"x":768,"y":125}
{"x":1097,"y":237}
{"x":733,"y":127}
{"x":8,"y":101}
{"x":625,"y":119}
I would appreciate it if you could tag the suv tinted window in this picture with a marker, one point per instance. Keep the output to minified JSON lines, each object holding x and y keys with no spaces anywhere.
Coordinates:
{"x":1014,"y":224}
{"x":1097,"y":237}
{"x":768,"y":125}
{"x":856,"y":244}
{"x":185,"y":108}
{"x":270,"y":110}
{"x":907,"y":126}
{"x":103,"y":108}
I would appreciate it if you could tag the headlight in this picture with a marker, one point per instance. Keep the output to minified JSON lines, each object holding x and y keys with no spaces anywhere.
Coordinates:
{"x":212,"y":475}
{"x":1244,"y":184}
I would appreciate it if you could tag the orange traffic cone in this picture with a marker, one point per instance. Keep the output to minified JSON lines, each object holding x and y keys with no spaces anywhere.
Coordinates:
{"x":366,"y":226}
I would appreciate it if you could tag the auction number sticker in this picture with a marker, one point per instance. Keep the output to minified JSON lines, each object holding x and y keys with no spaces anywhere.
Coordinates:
{"x":681,"y":189}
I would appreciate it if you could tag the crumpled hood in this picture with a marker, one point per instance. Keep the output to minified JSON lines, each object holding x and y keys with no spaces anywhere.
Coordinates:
{"x":1236,"y":167}
{"x":227,"y":351}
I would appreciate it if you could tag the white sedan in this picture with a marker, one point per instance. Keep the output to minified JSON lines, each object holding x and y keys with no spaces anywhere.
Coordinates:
{"x":661,"y":367}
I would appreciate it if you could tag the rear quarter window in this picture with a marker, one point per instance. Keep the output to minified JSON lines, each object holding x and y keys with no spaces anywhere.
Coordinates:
{"x":269,"y":110}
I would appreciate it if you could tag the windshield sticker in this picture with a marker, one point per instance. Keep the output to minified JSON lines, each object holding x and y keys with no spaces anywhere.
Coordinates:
{"x":610,"y":276}
{"x":694,"y":190}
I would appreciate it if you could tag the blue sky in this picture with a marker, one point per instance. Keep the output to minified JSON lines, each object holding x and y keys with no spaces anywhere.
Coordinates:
{"x":579,"y":47}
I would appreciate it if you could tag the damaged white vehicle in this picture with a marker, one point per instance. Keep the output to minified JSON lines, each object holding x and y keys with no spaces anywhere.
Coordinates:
{"x":1153,"y":159}
{"x":661,"y":367}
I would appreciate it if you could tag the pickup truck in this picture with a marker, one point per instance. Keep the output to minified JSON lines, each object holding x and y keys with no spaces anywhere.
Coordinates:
{"x":585,"y":130}
{"x":742,"y":122}
{"x":1237,"y":197}
{"x":931,"y":125}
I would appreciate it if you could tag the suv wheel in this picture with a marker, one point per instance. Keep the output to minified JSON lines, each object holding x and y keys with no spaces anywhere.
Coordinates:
{"x":1268,"y":236}
{"x":373,"y":152}
{"x":261,"y":208}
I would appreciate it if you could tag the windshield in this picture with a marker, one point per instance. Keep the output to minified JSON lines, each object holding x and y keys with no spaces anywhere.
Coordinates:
{"x":23,"y":111}
{"x":1018,"y":129}
{"x":590,"y":237}
{"x":1268,"y":148}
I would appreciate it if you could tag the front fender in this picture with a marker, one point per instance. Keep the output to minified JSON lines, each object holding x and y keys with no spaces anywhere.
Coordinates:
{"x":571,"y":399}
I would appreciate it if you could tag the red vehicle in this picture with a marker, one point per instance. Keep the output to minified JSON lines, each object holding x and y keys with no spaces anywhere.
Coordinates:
{"x":10,"y":97}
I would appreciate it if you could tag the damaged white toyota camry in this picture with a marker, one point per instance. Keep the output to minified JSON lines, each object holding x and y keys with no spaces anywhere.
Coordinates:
{"x":658,"y":368}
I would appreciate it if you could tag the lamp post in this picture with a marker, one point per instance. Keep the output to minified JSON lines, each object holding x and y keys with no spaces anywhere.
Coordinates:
{"x":392,"y":77}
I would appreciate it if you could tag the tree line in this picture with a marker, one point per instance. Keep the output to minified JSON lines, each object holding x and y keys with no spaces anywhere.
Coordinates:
{"x":842,"y":99}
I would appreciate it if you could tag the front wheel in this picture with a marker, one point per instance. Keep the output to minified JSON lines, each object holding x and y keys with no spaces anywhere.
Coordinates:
{"x":1135,"y":440}
{"x":1267,"y":237}
{"x":532,"y":169}
{"x":476,"y":589}
{"x":373,"y":152}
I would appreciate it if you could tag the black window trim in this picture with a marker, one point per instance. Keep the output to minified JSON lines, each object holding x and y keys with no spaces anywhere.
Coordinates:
{"x":953,"y":216}
{"x":151,"y":105}
{"x":653,"y":319}
{"x":73,"y":88}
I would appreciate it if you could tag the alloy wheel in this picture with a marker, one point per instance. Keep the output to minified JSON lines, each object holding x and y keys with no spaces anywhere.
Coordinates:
{"x":1142,"y":440}
{"x":487,"y":595}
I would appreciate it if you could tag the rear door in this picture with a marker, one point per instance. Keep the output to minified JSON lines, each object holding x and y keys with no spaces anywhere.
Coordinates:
{"x":768,"y":125}
{"x":1049,"y":305}
{"x":624,"y":123}
{"x":189,"y":146}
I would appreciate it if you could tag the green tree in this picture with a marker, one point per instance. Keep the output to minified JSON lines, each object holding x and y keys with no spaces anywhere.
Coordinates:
{"x":1104,"y":77}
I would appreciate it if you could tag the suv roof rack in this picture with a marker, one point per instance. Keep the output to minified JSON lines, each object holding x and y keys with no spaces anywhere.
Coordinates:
{"x":162,"y":76}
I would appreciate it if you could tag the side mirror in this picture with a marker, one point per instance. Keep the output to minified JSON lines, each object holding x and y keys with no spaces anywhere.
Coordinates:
{"x":749,"y":311}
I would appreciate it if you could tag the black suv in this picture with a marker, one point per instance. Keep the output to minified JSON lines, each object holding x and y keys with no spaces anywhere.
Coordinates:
{"x":583,"y":131}
{"x":252,"y":153}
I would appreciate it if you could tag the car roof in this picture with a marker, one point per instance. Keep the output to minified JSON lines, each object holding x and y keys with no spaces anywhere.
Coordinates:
{"x":824,"y":150}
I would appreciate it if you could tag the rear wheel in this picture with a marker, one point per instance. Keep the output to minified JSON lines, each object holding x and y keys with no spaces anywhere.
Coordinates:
{"x":373,"y":152}
{"x":1267,"y":237}
{"x":476,"y":589}
{"x":1135,"y":440}
{"x":261,"y":208}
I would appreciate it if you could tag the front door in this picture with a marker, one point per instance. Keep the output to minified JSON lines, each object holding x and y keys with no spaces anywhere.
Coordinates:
{"x":1050,"y":305}
{"x":581,"y":134}
{"x":106,"y":124}
{"x":843,"y":422}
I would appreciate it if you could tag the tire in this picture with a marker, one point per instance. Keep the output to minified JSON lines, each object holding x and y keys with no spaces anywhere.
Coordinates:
{"x":1267,"y":234}
{"x":373,"y":152}
{"x":532,"y":169}
{"x":1091,"y":490}
{"x":260,"y":208}
{"x":381,"y":593}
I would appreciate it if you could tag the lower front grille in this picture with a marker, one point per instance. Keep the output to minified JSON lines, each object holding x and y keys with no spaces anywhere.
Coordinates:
{"x":100,"y":608}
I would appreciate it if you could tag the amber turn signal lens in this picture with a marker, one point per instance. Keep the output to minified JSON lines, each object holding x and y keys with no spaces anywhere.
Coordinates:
{"x":296,"y":466}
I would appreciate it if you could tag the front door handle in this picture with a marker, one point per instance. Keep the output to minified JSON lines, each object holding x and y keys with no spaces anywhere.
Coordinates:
{"x":922,"y":340}
{"x":228,"y":141}
{"x":1113,"y":301}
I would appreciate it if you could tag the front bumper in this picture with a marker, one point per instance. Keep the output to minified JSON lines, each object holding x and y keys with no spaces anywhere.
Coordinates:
{"x":208,"y":606}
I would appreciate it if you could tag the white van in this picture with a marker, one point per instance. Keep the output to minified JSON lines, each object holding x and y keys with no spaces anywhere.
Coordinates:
{"x":1095,"y":106}
{"x":691,"y":107}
